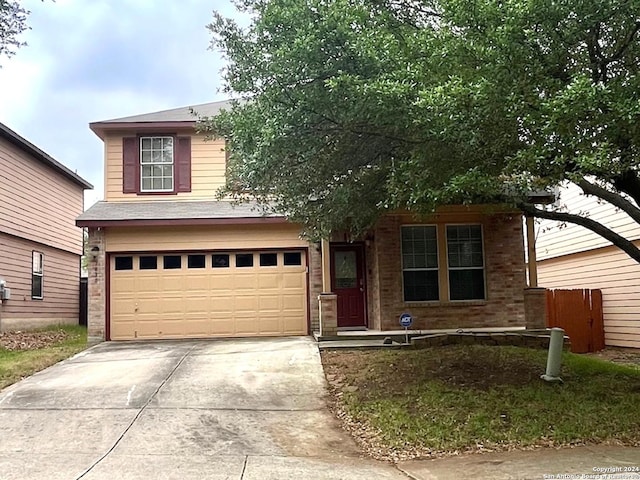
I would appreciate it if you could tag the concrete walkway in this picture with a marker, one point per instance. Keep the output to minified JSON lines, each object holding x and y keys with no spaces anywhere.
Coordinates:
{"x":220,"y":409}
{"x":593,"y":462}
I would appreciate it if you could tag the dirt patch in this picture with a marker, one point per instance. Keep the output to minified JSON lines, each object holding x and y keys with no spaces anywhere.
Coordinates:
{"x":454,"y":365}
{"x":19,"y":340}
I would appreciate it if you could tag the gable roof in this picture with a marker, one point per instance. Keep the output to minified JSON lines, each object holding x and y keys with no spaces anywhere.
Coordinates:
{"x":174,"y":118}
{"x":29,"y":148}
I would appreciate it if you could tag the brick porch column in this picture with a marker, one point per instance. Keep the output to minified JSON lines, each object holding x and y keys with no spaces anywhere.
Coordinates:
{"x":328,"y":314}
{"x":96,"y":286}
{"x":535,"y":308}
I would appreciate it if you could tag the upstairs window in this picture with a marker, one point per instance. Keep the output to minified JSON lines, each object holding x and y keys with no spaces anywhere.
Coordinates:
{"x":156,"y":164}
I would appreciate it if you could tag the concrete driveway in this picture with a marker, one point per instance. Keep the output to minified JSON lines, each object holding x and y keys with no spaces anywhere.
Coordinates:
{"x":219,"y":409}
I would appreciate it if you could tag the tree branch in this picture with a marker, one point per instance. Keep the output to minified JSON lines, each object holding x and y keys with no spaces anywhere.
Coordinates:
{"x":619,"y":241}
{"x":629,"y":183}
{"x":613,"y":198}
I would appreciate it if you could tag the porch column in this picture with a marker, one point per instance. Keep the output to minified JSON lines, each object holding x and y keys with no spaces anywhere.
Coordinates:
{"x":535,"y":299}
{"x":531,"y":253}
{"x":327,"y":301}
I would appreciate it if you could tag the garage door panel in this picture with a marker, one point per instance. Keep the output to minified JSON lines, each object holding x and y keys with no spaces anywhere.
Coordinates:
{"x":194,"y":302}
{"x":243,"y":304}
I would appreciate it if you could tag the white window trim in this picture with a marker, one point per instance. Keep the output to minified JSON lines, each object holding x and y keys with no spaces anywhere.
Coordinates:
{"x":483,"y":267}
{"x":429,"y":269}
{"x":173,"y":162}
{"x":38,"y":272}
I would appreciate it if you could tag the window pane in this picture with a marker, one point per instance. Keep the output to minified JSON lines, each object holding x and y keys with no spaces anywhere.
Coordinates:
{"x":244,"y":260}
{"x":268,"y":259}
{"x":172,"y":262}
{"x":146,"y":184}
{"x":346,"y":269}
{"x":220,"y":260}
{"x":36,"y":262}
{"x":36,"y":286}
{"x":419,"y":247}
{"x":124,"y":263}
{"x":156,"y":143}
{"x":167,"y":170}
{"x":466,"y":284}
{"x":157,"y":183}
{"x":421,"y":285}
{"x":167,"y":184}
{"x":464,"y":246}
{"x":195,"y":261}
{"x":148,"y":262}
{"x":146,"y":143}
{"x":292,"y":258}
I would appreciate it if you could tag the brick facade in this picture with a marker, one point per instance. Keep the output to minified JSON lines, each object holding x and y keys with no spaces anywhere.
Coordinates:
{"x":96,"y":266}
{"x":504,"y":276}
{"x":315,"y":285}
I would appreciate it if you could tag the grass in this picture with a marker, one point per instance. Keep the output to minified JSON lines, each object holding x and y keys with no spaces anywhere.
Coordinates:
{"x":18,"y":364}
{"x":477,"y":397}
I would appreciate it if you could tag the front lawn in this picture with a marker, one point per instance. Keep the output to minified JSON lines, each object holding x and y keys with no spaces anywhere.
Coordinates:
{"x":24,"y":353}
{"x":415,"y":403}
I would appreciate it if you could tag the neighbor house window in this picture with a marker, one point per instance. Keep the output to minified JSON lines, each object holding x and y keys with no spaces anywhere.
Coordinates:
{"x":37,"y":275}
{"x":465,"y":262}
{"x":420,"y":263}
{"x":156,"y":164}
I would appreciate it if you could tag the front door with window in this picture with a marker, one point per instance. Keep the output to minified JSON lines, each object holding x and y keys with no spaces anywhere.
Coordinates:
{"x":347,"y":282}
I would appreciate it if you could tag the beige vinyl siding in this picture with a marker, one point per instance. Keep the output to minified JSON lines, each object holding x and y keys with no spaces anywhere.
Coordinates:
{"x":61,"y":283}
{"x":554,"y":240}
{"x":207,"y":170}
{"x":610,"y":270}
{"x":37,"y":203}
{"x":214,"y":237}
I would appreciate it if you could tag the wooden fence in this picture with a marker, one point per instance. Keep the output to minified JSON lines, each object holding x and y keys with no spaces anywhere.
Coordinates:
{"x":579,"y":313}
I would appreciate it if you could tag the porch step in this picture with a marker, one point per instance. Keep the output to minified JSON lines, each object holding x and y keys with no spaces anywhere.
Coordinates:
{"x":353,"y":344}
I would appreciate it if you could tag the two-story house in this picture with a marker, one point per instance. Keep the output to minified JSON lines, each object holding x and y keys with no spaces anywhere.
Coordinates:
{"x":168,"y":260}
{"x":570,"y":257}
{"x":40,"y":246}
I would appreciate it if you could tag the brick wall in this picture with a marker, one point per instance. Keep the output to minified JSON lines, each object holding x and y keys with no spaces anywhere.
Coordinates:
{"x":96,"y":287}
{"x":504,"y":274}
{"x":315,"y":285}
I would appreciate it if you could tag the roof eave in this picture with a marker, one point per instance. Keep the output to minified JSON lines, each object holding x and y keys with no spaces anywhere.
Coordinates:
{"x":100,"y":128}
{"x":180,"y":222}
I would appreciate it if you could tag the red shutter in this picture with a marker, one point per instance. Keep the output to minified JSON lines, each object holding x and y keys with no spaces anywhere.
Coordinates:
{"x":130,"y":165}
{"x":183,"y":164}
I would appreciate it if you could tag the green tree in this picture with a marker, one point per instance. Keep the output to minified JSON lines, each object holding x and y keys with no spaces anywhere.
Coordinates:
{"x":13,"y":21}
{"x":351,"y":108}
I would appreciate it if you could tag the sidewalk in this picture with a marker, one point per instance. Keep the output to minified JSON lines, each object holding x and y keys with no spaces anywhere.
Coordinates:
{"x":593,"y":462}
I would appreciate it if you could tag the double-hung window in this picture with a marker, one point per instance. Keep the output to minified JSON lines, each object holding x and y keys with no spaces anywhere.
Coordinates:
{"x":466,"y":262}
{"x":37,"y":275}
{"x":420,"y":263}
{"x":156,"y":164}
{"x":423,"y":272}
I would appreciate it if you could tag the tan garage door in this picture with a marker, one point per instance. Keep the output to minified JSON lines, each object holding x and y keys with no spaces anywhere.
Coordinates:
{"x":173,"y":295}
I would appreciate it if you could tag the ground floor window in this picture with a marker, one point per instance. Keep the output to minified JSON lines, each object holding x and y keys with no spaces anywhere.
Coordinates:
{"x":424,"y":272}
{"x":37,"y":275}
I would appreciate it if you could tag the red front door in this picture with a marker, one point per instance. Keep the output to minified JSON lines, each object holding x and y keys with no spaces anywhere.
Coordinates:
{"x":347,"y":282}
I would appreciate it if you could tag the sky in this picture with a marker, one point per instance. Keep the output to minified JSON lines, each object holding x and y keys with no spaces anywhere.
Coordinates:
{"x":92,"y":60}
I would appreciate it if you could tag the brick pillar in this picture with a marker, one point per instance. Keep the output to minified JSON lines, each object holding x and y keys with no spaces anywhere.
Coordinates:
{"x":535,"y":308}
{"x":97,"y":290}
{"x":328,"y":314}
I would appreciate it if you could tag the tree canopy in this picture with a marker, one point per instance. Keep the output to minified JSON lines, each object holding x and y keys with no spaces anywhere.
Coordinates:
{"x":13,"y":21}
{"x":352,"y":108}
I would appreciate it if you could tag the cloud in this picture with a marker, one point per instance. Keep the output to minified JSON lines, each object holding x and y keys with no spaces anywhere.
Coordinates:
{"x":89,"y":61}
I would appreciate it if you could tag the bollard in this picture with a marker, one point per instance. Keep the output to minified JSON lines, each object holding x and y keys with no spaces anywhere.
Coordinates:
{"x":554,"y":358}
